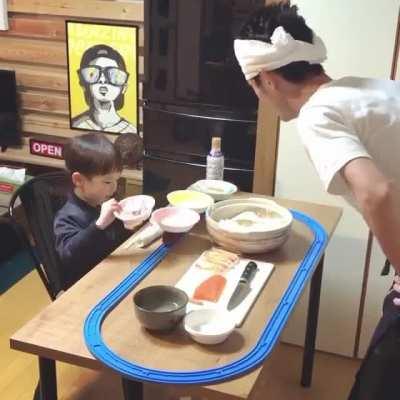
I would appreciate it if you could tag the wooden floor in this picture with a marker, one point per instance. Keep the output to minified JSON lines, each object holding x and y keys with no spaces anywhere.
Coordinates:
{"x":333,"y":376}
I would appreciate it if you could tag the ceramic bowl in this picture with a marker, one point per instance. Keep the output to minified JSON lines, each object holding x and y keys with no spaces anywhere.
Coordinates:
{"x":135,"y":210}
{"x":280,"y":218}
{"x":209,"y":326}
{"x":218,"y":190}
{"x":191,"y":199}
{"x":160,"y":308}
{"x":252,"y":240}
{"x":175,"y":219}
{"x":246,"y":246}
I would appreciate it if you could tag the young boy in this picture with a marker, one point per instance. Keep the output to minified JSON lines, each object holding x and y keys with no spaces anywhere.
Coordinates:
{"x":85,"y":228}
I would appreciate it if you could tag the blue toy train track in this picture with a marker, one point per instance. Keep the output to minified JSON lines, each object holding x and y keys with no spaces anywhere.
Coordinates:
{"x":255,"y":357}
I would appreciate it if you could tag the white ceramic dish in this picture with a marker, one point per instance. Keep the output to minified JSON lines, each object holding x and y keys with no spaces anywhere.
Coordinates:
{"x":135,"y":210}
{"x":232,"y":208}
{"x":247,"y":246}
{"x":218,"y":190}
{"x":262,"y":238}
{"x":175,"y":219}
{"x":209,"y":326}
{"x":191,"y":199}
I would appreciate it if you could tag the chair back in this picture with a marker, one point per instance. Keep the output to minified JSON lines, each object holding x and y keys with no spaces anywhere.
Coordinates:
{"x":41,"y":198}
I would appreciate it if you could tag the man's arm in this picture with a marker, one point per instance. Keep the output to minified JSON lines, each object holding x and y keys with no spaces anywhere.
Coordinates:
{"x":378,"y":198}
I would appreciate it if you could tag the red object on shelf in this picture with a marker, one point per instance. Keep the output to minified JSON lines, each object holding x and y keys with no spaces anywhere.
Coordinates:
{"x":6,"y":187}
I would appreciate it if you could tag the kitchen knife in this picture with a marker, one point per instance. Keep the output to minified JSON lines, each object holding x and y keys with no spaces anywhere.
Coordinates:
{"x":243,"y":287}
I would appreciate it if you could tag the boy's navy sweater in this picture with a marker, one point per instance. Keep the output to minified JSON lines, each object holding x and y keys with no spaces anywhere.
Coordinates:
{"x":79,"y":243}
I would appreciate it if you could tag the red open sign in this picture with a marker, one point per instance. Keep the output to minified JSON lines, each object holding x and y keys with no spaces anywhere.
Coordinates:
{"x":46,"y":149}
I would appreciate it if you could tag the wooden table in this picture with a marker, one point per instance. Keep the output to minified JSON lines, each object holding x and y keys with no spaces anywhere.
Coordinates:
{"x":56,"y":334}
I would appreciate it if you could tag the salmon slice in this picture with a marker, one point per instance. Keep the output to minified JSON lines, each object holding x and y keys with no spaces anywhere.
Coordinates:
{"x":210,"y":289}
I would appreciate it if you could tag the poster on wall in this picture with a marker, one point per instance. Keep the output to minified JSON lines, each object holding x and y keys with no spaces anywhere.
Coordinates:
{"x":103,"y":77}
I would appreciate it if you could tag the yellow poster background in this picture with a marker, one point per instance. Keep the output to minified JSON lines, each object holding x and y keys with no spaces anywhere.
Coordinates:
{"x":123,"y":39}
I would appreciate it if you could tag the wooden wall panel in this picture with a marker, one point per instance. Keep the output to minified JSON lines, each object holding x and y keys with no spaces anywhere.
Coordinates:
{"x":39,"y":76}
{"x":31,"y":27}
{"x":35,"y":47}
{"x":121,"y":10}
{"x":48,"y":102}
{"x":33,"y":51}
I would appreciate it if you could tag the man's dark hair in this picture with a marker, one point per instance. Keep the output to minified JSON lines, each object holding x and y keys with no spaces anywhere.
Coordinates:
{"x":101,"y":50}
{"x":261,"y":26}
{"x":92,"y":154}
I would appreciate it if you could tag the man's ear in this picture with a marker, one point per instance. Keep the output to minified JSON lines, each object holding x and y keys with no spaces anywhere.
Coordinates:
{"x":124,"y":88}
{"x":77,"y":179}
{"x":269,"y":79}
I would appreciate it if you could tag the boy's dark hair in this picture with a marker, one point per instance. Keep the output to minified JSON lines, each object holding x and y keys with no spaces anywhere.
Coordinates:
{"x":101,"y":50}
{"x":92,"y":154}
{"x":261,"y":26}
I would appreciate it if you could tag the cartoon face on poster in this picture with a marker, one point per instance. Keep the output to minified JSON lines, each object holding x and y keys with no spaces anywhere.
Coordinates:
{"x":103,"y":77}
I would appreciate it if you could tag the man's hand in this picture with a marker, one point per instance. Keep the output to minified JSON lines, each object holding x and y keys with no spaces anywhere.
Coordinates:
{"x":107,"y":213}
{"x":396,"y":288}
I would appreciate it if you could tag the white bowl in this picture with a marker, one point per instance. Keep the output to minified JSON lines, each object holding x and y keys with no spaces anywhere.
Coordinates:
{"x":209,"y":326}
{"x":175,"y":219}
{"x":191,"y":199}
{"x":135,"y":210}
{"x":243,"y":238}
{"x":218,"y":190}
{"x":247,"y":246}
{"x":231,"y":208}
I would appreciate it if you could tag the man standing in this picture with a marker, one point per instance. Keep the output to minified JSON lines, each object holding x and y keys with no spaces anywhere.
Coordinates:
{"x":350,"y":128}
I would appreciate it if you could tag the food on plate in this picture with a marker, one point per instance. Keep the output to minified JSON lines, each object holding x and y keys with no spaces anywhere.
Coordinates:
{"x":215,"y":189}
{"x":252,"y":221}
{"x":172,"y":220}
{"x":210,"y":289}
{"x":217,"y":260}
{"x":134,"y":210}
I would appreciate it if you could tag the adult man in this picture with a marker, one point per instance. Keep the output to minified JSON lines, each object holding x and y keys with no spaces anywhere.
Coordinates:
{"x":351,"y":130}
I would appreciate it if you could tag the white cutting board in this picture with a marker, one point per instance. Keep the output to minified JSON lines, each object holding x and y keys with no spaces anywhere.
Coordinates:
{"x":194,"y":276}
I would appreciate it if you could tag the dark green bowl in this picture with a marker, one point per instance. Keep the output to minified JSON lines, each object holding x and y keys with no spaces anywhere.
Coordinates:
{"x":160,"y":307}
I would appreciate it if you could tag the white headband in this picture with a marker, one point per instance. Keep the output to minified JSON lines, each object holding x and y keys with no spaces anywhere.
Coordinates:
{"x":255,"y":56}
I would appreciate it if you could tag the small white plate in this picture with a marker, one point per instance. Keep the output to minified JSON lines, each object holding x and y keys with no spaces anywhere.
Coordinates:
{"x":218,"y":190}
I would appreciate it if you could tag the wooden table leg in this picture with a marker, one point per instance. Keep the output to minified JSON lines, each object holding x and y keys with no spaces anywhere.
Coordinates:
{"x":48,"y":379}
{"x":133,"y":390}
{"x":312,"y":324}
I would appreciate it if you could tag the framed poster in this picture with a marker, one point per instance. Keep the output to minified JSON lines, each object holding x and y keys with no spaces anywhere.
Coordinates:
{"x":103,"y":76}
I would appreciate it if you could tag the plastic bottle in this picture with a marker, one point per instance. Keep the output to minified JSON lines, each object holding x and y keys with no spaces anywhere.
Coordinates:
{"x":215,"y":160}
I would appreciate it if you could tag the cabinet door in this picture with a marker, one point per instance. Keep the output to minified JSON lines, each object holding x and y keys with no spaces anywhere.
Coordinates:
{"x":349,"y":47}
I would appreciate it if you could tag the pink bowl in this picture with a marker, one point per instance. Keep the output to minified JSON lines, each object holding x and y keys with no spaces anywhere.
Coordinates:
{"x":175,"y":219}
{"x":135,"y":210}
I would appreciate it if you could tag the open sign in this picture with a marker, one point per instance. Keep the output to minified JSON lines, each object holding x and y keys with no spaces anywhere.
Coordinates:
{"x":46,"y":149}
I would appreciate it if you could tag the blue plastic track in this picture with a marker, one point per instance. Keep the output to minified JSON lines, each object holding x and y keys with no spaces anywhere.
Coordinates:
{"x":261,"y":350}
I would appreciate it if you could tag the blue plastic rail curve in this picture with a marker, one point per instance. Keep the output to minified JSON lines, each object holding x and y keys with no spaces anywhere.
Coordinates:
{"x":255,"y":357}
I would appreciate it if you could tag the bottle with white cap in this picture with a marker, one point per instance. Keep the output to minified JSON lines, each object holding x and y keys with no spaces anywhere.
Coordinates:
{"x":215,"y":161}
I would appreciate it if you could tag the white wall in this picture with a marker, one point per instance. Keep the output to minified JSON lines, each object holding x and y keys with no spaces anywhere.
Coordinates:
{"x":359,"y":35}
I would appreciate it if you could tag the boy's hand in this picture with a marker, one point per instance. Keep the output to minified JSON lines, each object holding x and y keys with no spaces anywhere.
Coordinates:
{"x":107,"y":213}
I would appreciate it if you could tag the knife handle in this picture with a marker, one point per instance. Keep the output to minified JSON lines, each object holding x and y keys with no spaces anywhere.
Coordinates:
{"x":249,"y":272}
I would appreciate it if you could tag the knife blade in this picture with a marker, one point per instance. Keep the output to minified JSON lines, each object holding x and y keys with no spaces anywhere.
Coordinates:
{"x":243,"y":287}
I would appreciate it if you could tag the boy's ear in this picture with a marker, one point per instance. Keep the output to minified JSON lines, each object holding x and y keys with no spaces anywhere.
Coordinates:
{"x":77,"y":179}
